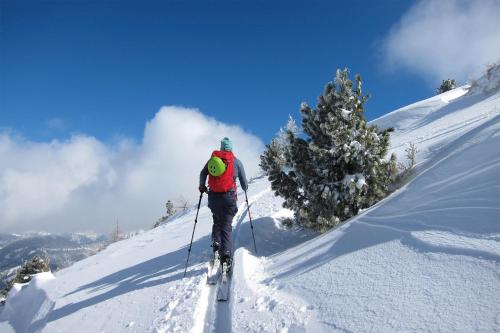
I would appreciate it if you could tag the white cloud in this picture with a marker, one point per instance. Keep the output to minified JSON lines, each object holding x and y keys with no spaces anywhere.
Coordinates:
{"x":85,"y":184}
{"x":440,"y":39}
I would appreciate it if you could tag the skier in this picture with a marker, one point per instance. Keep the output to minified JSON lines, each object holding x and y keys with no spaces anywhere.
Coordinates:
{"x":222,"y":170}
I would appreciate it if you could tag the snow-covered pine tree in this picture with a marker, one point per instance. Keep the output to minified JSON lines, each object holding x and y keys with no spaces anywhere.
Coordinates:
{"x":336,"y":166}
{"x":273,"y":158}
{"x":170,"y":208}
{"x":275,"y":162}
{"x":446,"y":85}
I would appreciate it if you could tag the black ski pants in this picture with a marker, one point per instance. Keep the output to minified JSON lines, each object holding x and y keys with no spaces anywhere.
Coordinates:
{"x":223,"y":206}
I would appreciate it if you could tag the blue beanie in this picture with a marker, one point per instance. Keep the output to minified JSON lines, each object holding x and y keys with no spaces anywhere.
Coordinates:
{"x":226,"y":144}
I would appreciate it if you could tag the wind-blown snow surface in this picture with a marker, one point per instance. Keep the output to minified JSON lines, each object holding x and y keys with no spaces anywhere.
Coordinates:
{"x":425,"y":259}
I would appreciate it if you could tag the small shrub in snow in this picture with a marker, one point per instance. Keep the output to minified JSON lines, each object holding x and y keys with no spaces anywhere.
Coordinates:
{"x":446,"y":85}
{"x":34,"y":266}
{"x":170,"y":211}
{"x":407,"y":169}
{"x":158,"y":223}
{"x":336,"y":165}
{"x":489,"y":81}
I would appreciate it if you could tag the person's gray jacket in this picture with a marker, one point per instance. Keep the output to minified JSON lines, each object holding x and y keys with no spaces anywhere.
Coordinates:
{"x":239,"y":172}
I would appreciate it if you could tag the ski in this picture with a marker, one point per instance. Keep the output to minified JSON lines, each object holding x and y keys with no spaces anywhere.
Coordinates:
{"x":223,"y":287}
{"x":213,"y":269}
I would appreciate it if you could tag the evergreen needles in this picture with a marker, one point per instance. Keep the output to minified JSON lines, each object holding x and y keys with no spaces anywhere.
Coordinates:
{"x":336,"y":164}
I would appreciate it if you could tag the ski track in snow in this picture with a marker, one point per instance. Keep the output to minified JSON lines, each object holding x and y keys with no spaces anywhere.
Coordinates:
{"x":250,"y":292}
{"x":209,"y":314}
{"x":214,"y":316}
{"x":257,"y":303}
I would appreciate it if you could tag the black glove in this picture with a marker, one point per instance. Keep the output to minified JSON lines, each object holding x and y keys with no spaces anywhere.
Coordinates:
{"x":202,"y":188}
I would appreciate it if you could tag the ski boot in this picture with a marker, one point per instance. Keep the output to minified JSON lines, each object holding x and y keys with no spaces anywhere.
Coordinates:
{"x":228,"y":262}
{"x":214,"y":265}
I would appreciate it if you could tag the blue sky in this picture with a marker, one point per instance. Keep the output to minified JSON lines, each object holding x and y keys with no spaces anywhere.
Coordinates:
{"x":99,"y":99}
{"x":106,"y":67}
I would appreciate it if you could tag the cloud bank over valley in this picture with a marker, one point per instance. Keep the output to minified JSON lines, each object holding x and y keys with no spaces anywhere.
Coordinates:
{"x":84,"y":184}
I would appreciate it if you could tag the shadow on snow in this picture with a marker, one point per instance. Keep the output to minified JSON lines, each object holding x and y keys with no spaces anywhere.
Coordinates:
{"x":160,"y":270}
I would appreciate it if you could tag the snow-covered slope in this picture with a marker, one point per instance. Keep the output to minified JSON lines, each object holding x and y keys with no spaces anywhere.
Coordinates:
{"x":425,"y":259}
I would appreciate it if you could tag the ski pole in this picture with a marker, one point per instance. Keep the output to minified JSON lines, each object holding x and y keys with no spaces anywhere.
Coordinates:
{"x":191,"y":244}
{"x":251,"y":225}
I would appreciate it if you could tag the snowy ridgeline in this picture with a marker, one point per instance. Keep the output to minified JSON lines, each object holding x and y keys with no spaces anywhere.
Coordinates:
{"x":427,"y":258}
{"x":60,"y":249}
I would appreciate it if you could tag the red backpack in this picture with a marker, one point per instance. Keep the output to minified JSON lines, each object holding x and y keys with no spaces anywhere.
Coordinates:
{"x":224,"y":182}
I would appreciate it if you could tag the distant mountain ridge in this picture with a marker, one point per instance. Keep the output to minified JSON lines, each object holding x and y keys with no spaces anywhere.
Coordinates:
{"x":62,"y":250}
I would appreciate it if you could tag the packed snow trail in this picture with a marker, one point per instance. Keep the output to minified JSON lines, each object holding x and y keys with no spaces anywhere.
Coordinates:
{"x":218,"y":316}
